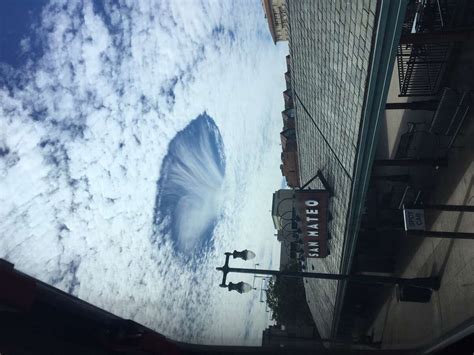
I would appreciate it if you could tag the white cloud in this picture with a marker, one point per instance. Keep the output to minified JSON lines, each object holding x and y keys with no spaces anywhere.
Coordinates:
{"x":77,"y":210}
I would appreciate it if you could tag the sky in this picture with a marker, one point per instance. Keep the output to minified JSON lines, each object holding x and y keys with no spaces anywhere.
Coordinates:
{"x":139,"y":141}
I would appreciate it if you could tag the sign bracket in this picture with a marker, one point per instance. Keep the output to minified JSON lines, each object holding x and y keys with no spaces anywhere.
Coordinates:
{"x":320,"y":176}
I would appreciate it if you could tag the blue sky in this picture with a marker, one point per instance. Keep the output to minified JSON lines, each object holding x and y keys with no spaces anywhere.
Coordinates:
{"x":91,"y":96}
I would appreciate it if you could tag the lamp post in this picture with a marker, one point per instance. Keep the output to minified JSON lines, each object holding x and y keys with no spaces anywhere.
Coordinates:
{"x":430,"y":283}
{"x":240,"y":287}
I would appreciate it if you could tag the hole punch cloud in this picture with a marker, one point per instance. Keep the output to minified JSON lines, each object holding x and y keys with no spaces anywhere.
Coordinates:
{"x":190,"y":186}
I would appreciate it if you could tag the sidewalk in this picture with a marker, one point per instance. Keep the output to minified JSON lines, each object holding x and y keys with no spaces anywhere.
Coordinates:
{"x":405,"y":324}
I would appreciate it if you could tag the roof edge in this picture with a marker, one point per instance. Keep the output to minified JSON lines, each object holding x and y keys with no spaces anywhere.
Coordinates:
{"x":269,"y":14}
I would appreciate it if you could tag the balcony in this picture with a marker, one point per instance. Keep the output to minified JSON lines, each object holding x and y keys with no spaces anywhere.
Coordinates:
{"x":421,"y":66}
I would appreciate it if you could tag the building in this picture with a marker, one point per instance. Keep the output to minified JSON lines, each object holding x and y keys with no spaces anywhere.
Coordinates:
{"x":289,"y":155}
{"x":341,"y":73}
{"x":283,"y":212}
{"x":276,"y":15}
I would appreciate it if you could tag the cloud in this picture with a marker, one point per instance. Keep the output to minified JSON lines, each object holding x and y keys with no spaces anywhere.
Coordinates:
{"x":85,"y":125}
{"x":190,"y":186}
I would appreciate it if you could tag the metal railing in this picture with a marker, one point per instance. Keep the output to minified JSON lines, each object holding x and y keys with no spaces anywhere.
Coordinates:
{"x":421,"y":66}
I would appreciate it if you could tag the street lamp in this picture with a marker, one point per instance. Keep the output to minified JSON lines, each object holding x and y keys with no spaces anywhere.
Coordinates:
{"x":244,"y":254}
{"x":430,"y":283}
{"x":240,"y":287}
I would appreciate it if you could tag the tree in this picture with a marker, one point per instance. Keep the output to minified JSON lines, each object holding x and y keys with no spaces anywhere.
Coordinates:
{"x":287,"y":300}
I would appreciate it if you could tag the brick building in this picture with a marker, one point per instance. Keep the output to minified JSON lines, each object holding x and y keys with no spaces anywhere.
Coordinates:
{"x":342,"y":68}
{"x":289,"y":156}
{"x":276,"y":15}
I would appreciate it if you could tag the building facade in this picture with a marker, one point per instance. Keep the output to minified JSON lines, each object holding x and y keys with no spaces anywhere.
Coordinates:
{"x":330,"y":49}
{"x":343,"y":56}
{"x":283,"y":216}
{"x":289,"y":156}
{"x":276,"y":15}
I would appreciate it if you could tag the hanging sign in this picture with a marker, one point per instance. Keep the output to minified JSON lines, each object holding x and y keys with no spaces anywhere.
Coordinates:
{"x":312,"y":209}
